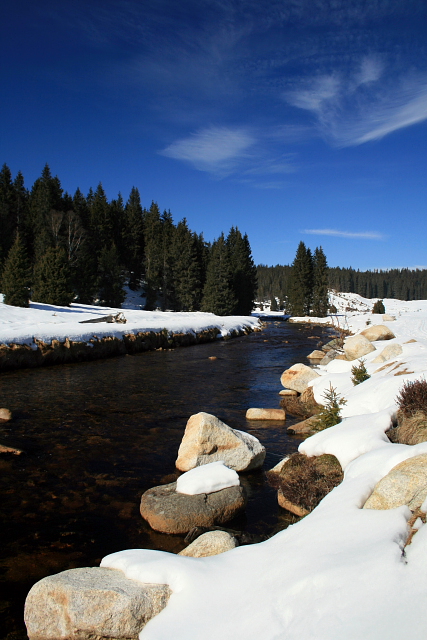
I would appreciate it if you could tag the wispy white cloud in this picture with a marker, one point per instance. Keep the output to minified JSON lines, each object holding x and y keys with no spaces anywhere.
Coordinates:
{"x":215,"y":149}
{"x":363,"y":235}
{"x":352,"y":109}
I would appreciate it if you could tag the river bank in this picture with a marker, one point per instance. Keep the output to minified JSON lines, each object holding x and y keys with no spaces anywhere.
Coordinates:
{"x":47,"y":335}
{"x":342,"y":571}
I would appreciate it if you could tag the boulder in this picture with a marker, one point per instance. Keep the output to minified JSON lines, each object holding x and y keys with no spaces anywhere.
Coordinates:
{"x":406,"y":484}
{"x":377,"y":332}
{"x":278,"y":467}
{"x":5,"y":415}
{"x":298,"y":377}
{"x":171,"y":512}
{"x":89,"y":603}
{"x":207,"y":439}
{"x":289,"y":506}
{"x":265,"y":414}
{"x":388,"y":318}
{"x":288,"y":392}
{"x":211,"y":543}
{"x":303,"y":405}
{"x":305,"y":427}
{"x":334,"y":344}
{"x":5,"y":449}
{"x":330,"y":355}
{"x":356,"y":347}
{"x":303,"y":481}
{"x":389,"y":352}
{"x":316,"y":355}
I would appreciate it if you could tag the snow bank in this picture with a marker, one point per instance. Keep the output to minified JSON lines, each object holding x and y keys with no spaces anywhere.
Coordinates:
{"x":341,"y":571}
{"x":208,"y":478}
{"x":44,"y":323}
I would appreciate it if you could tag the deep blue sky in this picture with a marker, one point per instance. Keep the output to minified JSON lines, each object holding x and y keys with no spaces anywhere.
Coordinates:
{"x":293,"y":119}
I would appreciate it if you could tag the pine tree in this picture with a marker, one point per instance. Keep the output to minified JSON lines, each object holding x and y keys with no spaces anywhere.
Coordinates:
{"x":7,"y":213}
{"x":134,"y":238}
{"x":111,"y":278}
{"x":45,"y":197}
{"x":101,"y":223}
{"x":320,"y":284}
{"x":273,"y":303}
{"x":301,"y":285}
{"x":16,"y":278}
{"x":186,"y":269}
{"x":52,"y":280}
{"x":218,"y":293}
{"x":244,"y":272}
{"x":152,"y":255}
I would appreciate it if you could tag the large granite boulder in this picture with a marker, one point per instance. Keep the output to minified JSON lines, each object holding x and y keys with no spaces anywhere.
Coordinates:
{"x":302,"y":482}
{"x":211,"y":543}
{"x":207,"y":439}
{"x":5,"y":414}
{"x":377,"y":332}
{"x":389,"y":352}
{"x":356,"y":347}
{"x":297,"y":377}
{"x":91,"y":603}
{"x":168,"y":511}
{"x":406,"y":484}
{"x":265,"y":414}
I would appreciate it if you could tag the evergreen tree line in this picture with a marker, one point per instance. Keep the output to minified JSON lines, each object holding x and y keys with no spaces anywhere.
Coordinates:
{"x":57,"y":248}
{"x":402,"y":284}
{"x":302,"y":288}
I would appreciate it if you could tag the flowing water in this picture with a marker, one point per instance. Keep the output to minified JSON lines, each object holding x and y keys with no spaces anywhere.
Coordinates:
{"x":96,"y":435}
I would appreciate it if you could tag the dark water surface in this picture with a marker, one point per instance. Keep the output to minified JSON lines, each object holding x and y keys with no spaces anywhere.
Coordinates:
{"x":97,"y":435}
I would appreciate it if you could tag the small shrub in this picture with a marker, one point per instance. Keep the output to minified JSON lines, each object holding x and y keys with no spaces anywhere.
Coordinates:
{"x":359,"y":373}
{"x":412,"y":397}
{"x":305,"y":481}
{"x":330,"y":413}
{"x":378,"y":307}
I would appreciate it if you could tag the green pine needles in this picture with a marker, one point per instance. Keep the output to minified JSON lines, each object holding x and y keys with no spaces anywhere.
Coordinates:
{"x":330,"y":414}
{"x":359,"y":373}
{"x":16,"y":277}
{"x":378,"y":307}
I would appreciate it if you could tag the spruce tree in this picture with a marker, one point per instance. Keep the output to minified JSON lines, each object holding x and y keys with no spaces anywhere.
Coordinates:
{"x":301,"y":284}
{"x":320,"y":284}
{"x":52,"y":280}
{"x":152,"y":255}
{"x":111,"y":278}
{"x":218,"y":292}
{"x":187,"y":270}
{"x":16,"y":278}
{"x":134,"y":238}
{"x":244,"y":272}
{"x":7,"y":213}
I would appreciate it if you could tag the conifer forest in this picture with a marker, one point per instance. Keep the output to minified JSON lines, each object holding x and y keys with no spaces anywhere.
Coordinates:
{"x":58,"y":248}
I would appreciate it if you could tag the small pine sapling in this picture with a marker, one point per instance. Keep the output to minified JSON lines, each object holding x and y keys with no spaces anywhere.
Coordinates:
{"x":330,"y":414}
{"x":359,"y":373}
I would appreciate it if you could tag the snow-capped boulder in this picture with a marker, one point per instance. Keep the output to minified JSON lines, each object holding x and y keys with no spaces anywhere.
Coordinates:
{"x":168,"y":511}
{"x":265,"y":414}
{"x":297,"y":377}
{"x":377,"y":332}
{"x":207,"y":439}
{"x":91,"y":603}
{"x":211,"y":543}
{"x":389,"y":352}
{"x":406,"y":484}
{"x":357,"y":346}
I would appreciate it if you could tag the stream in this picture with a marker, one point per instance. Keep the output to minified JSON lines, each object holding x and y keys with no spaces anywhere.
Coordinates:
{"x":96,"y":435}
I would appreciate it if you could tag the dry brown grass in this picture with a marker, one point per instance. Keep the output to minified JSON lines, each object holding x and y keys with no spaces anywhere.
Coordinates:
{"x":305,"y":481}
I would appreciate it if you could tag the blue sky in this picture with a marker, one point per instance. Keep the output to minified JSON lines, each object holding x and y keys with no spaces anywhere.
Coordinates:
{"x":293,"y":120}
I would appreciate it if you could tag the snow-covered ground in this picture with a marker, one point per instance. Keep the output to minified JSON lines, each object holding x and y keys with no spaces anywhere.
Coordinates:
{"x":340,"y":572}
{"x":47,"y":322}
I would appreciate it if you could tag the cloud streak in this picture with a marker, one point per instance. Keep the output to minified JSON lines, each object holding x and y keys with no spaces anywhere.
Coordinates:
{"x":214,"y":149}
{"x":363,"y":235}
